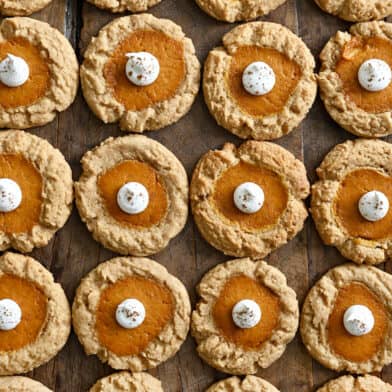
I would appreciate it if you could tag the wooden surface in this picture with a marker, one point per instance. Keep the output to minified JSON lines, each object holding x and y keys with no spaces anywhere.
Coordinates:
{"x":73,"y":252}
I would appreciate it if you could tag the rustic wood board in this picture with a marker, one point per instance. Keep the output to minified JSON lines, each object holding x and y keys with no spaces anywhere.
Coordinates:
{"x":73,"y":252}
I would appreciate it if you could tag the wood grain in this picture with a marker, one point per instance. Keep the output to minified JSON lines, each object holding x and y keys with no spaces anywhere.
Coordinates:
{"x":73,"y":252}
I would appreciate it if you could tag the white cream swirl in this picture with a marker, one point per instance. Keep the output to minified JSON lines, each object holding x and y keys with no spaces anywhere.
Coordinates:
{"x":246,"y":314}
{"x":14,"y":71}
{"x":258,"y":78}
{"x":142,"y":68}
{"x":374,"y":75}
{"x":130,"y":313}
{"x":133,"y":198}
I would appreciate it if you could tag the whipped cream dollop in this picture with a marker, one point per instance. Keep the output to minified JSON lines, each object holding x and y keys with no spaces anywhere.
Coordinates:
{"x":258,"y":78}
{"x":248,"y":197}
{"x":14,"y":71}
{"x":142,"y":68}
{"x":10,"y":195}
{"x":246,"y":314}
{"x":133,"y":198}
{"x":358,"y":320}
{"x":10,"y":314}
{"x":130,"y":313}
{"x":373,"y":206}
{"x":374,"y":75}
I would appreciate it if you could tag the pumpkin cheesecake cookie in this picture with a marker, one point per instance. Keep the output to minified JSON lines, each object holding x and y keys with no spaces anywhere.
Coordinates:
{"x":125,"y":382}
{"x":245,"y":317}
{"x":133,"y":195}
{"x":260,"y":84}
{"x":124,"y":5}
{"x":36,"y":191}
{"x":248,"y":201}
{"x":346,"y":321}
{"x":35,"y":319}
{"x":248,"y":384}
{"x":350,"y":384}
{"x":140,"y":71}
{"x":238,"y":10}
{"x":357,"y":10}
{"x":350,"y":202}
{"x":38,"y":73}
{"x":132,"y":313}
{"x":21,"y":7}
{"x":355,"y":79}
{"x":21,"y":384}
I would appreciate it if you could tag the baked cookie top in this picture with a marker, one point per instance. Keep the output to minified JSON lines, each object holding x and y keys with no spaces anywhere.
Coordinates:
{"x":355,"y":78}
{"x":356,"y":10}
{"x":248,"y":201}
{"x":238,"y":10}
{"x":21,"y":384}
{"x":36,"y":191}
{"x":133,"y":195}
{"x":350,"y":202}
{"x":132,"y":313}
{"x":245,"y":317}
{"x":38,"y":73}
{"x":35,"y":318}
{"x":141,"y":71}
{"x":350,"y":384}
{"x":21,"y":7}
{"x":124,"y":5}
{"x":248,"y":384}
{"x":260,"y":84}
{"x":346,"y":320}
{"x":125,"y":382}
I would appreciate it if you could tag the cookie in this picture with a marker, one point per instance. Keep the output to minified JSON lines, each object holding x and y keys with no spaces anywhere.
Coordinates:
{"x":132,"y":195}
{"x":124,"y":5}
{"x":355,"y":78}
{"x":245,"y":317}
{"x":350,"y":384}
{"x":21,"y":7}
{"x":260,"y":84}
{"x":125,"y":382}
{"x":352,"y":173}
{"x":140,"y":71}
{"x":35,"y":318}
{"x":346,"y":319}
{"x":356,"y":10}
{"x":21,"y":384}
{"x":248,"y":201}
{"x":39,"y":73}
{"x":248,"y":384}
{"x":131,"y":313}
{"x":36,"y":191}
{"x":238,"y":10}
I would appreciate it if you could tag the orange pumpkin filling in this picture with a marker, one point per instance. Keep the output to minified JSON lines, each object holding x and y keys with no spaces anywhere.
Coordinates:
{"x":39,"y":79}
{"x":351,"y":189}
{"x":170,"y":54}
{"x":159,"y":305}
{"x":355,"y":52}
{"x":287,"y":75}
{"x":16,"y":167}
{"x":275,"y":194}
{"x":356,"y":348}
{"x":236,"y":289}
{"x":113,"y":179}
{"x":33,"y":303}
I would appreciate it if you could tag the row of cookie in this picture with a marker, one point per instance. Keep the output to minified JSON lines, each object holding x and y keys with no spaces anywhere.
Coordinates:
{"x":246,"y":201}
{"x":143,"y":382}
{"x":134,"y":315}
{"x":143,"y":72}
{"x":221,"y":10}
